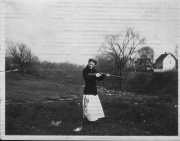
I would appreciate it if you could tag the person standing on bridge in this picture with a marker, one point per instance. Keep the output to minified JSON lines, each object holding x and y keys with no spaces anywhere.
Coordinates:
{"x":92,"y":108}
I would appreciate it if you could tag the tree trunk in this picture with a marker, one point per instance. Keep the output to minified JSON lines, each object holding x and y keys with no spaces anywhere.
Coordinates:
{"x":120,"y":80}
{"x":22,"y":72}
{"x":22,"y":69}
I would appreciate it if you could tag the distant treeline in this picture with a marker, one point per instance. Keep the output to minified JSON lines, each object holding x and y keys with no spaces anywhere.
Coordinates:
{"x":64,"y":73}
{"x":145,"y":83}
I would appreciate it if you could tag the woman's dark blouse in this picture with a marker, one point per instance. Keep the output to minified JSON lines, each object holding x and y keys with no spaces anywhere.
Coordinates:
{"x":90,"y":81}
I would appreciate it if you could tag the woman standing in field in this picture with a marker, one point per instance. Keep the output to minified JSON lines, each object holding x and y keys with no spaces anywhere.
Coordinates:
{"x":92,"y":108}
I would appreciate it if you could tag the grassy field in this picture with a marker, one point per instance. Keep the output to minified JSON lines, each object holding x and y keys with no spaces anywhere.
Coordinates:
{"x":29,"y":111}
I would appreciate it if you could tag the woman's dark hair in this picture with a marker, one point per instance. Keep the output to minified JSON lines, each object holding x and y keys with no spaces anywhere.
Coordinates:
{"x":92,"y":60}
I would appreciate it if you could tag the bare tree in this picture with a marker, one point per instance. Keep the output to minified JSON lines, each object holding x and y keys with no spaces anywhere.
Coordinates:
{"x":120,"y":48}
{"x":21,"y":55}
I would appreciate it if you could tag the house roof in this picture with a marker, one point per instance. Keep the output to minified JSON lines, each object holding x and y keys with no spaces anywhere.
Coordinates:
{"x":162,"y":56}
{"x":174,"y":57}
{"x":142,"y":60}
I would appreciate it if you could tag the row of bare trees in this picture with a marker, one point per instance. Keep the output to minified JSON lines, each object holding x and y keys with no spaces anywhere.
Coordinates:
{"x":118,"y":53}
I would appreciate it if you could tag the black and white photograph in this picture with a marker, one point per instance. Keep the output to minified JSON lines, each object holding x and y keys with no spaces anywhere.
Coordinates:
{"x":89,"y":70}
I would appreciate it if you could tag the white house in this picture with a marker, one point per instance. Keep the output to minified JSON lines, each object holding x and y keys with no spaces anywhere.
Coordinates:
{"x":166,"y":61}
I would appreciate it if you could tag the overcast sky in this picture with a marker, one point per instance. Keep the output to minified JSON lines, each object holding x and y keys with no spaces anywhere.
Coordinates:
{"x":73,"y":30}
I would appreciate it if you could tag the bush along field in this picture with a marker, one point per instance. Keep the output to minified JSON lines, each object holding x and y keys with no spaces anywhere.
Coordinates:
{"x":41,"y":105}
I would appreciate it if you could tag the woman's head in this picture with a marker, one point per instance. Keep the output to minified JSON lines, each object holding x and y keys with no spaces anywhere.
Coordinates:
{"x":92,"y":63}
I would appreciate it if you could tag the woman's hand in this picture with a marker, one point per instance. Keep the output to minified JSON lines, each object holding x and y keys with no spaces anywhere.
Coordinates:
{"x":98,"y":74}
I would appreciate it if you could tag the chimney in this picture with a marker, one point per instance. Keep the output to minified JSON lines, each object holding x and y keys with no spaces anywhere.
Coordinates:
{"x":165,"y":52}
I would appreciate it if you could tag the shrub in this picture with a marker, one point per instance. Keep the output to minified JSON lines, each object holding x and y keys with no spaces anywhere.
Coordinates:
{"x":139,"y":83}
{"x":161,"y":80}
{"x":171,"y":89}
{"x":34,"y":70}
{"x":157,"y":83}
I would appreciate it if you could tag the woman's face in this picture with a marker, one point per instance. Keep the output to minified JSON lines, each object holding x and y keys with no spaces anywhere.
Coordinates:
{"x":91,"y":65}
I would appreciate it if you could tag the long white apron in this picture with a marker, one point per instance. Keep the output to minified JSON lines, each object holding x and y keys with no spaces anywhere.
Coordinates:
{"x":92,"y":107}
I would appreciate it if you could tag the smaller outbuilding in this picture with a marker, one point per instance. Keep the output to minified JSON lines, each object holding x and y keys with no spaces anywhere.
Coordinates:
{"x":144,"y":64}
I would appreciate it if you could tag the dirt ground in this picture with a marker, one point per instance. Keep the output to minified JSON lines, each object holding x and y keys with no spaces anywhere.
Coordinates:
{"x":33,"y":108}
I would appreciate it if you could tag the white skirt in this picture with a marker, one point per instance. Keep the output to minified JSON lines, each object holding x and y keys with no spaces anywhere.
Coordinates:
{"x":92,"y":107}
